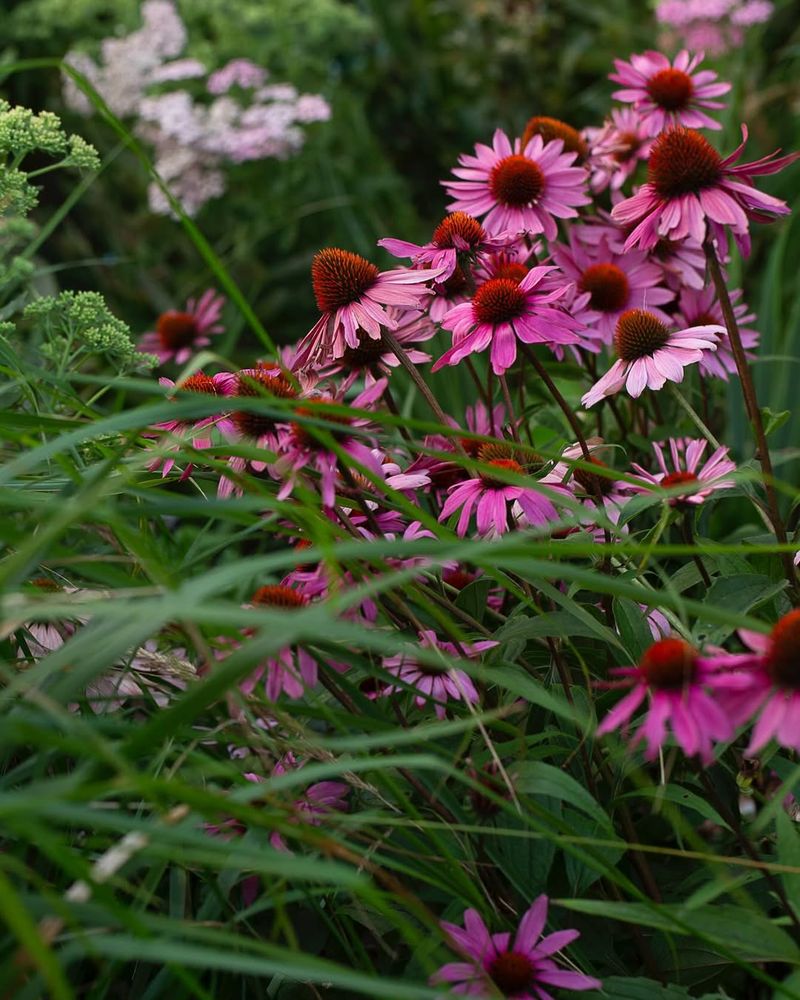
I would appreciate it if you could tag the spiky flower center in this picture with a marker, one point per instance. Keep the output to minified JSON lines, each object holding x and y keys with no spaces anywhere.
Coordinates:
{"x":639,"y":334}
{"x":340,"y":278}
{"x":199,"y":383}
{"x":46,"y":584}
{"x":176,"y":329}
{"x":705,"y":319}
{"x":512,"y":973}
{"x":628,"y":144}
{"x":591,"y":482}
{"x":669,"y":664}
{"x":502,"y":267}
{"x":516,"y":180}
{"x":554,"y":128}
{"x":783,"y":659}
{"x":498,"y":300}
{"x":367,"y":355}
{"x":671,"y":89}
{"x":458,"y":578}
{"x":456,"y":230}
{"x":608,"y":286}
{"x":494,"y":452}
{"x":259,"y":382}
{"x":682,"y":162}
{"x":674,"y":479}
{"x":304,"y":435}
{"x":278,"y":595}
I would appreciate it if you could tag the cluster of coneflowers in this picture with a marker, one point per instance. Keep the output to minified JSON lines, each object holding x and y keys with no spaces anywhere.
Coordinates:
{"x":542,"y":250}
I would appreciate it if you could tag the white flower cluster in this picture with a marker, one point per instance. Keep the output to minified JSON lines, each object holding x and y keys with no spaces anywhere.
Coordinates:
{"x":244,"y":119}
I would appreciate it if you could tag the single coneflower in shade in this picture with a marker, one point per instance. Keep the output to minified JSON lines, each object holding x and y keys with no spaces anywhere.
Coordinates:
{"x":520,"y":970}
{"x":181,"y":333}
{"x":616,"y":149}
{"x":489,"y":497}
{"x":351,"y":294}
{"x":316,"y":803}
{"x":193,"y":432}
{"x":690,"y":189}
{"x":503,"y":310}
{"x":609,"y":283}
{"x":680,"y":688}
{"x":649,"y":354}
{"x":668,"y":93}
{"x":519,"y":189}
{"x":698,"y":307}
{"x":440,"y":683}
{"x":687,"y":469}
{"x":772,"y":690}
{"x":457,"y":235}
{"x":554,"y":128}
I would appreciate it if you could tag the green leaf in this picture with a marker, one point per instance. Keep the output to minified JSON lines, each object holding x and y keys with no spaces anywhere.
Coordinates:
{"x":619,"y":988}
{"x":773,"y":420}
{"x":633,"y":628}
{"x":789,"y":854}
{"x":681,"y":797}
{"x":538,"y":778}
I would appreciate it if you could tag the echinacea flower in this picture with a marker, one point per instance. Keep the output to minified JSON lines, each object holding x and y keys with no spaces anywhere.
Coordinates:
{"x":458,"y":234}
{"x":665,"y":93}
{"x":351,"y":293}
{"x":519,"y":189}
{"x":616,"y":149}
{"x":686,"y":455}
{"x":503,"y":310}
{"x":317,"y":802}
{"x":585,"y":485}
{"x":438,"y":683}
{"x":554,"y":128}
{"x":681,"y":688}
{"x":524,"y":970}
{"x":181,"y":333}
{"x":698,"y":307}
{"x":490,"y":497}
{"x":608,"y":283}
{"x":690,"y":188}
{"x":649,"y":354}
{"x":192,"y":431}
{"x":772,"y":692}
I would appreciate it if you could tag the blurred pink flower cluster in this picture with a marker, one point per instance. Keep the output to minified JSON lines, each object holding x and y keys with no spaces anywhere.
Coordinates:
{"x":713,"y":26}
{"x":230,"y":116}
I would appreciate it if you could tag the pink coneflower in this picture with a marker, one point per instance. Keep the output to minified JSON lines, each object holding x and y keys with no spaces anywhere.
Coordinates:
{"x":291,"y":670}
{"x":681,"y":688}
{"x":691,"y":187}
{"x":522,"y":971}
{"x":301,"y":450}
{"x":585,"y":485}
{"x":553,"y":128}
{"x":490,"y":497}
{"x":191,"y":431}
{"x":513,"y":262}
{"x":351,"y":293}
{"x":665,"y":93}
{"x":772,"y":692}
{"x":683,"y":262}
{"x":649,"y":354}
{"x":316,"y":803}
{"x":440,"y":684}
{"x":519,"y":189}
{"x":501,"y":311}
{"x":616,"y":149}
{"x":179,"y":334}
{"x":609,"y":283}
{"x":457,"y":235}
{"x":685,"y":470}
{"x":696,"y":308}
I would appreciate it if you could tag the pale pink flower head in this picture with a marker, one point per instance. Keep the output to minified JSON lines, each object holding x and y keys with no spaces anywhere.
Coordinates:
{"x":489,"y":497}
{"x":519,"y":189}
{"x":503,"y":310}
{"x":685,"y":469}
{"x":351,"y":293}
{"x":236,"y":73}
{"x":181,"y":333}
{"x":772,"y":669}
{"x":690,"y":189}
{"x":681,"y":688}
{"x":668,"y":93}
{"x":649,"y":355}
{"x":699,"y":307}
{"x":457,"y":235}
{"x":616,"y":149}
{"x":683,"y":262}
{"x":609,"y":283}
{"x":524,"y":970}
{"x":438,"y":683}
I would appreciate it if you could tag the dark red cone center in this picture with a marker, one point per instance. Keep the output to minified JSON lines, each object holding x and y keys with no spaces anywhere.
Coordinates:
{"x":512,"y":973}
{"x":682,"y":162}
{"x":554,"y":128}
{"x":176,"y":329}
{"x":669,"y":664}
{"x":516,"y":180}
{"x":608,"y":286}
{"x":639,"y":334}
{"x":671,"y":89}
{"x":783,"y":660}
{"x":340,"y":278}
{"x":456,"y":229}
{"x":498,"y":300}
{"x":279,"y":596}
